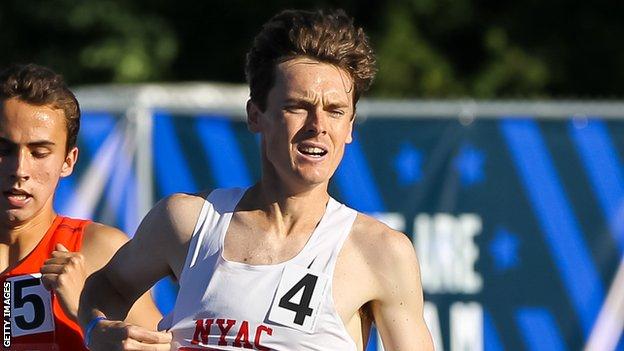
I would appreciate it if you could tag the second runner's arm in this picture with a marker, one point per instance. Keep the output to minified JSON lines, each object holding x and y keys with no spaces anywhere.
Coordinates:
{"x":157,"y":250}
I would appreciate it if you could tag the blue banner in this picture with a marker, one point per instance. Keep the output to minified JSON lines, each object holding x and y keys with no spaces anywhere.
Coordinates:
{"x":518,"y":222}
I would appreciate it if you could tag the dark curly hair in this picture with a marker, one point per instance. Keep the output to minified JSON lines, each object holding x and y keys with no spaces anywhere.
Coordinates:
{"x":39,"y":86}
{"x":329,"y":37}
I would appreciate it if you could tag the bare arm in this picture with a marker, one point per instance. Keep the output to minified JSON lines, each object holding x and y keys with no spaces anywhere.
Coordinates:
{"x":65,"y":272}
{"x":398,"y":308}
{"x":100,"y":244}
{"x":158,"y":249}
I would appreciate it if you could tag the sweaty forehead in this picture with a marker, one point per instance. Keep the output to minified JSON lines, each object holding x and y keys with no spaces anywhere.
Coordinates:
{"x":23,"y":122}
{"x":303,"y":77}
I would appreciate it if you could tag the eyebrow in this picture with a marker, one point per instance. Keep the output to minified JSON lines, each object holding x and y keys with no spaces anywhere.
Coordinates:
{"x":36,"y":143}
{"x":41,"y":143}
{"x":298,"y":98}
{"x":337,"y":104}
{"x":308,"y":101}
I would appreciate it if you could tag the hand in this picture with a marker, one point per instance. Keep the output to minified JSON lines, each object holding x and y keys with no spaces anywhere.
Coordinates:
{"x":65,"y":273}
{"x":116,"y":336}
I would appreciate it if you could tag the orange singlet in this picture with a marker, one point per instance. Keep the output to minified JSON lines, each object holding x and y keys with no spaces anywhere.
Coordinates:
{"x":37,"y":321}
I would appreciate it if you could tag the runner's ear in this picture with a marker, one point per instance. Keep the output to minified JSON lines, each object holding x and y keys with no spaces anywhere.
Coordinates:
{"x":253,"y":117}
{"x":69,"y":162}
{"x":350,"y":135}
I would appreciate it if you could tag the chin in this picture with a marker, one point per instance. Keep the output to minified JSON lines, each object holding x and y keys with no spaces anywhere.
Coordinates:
{"x":314,"y":178}
{"x":314,"y":182}
{"x":16,"y":216}
{"x":13,"y":218}
{"x":10,"y":220}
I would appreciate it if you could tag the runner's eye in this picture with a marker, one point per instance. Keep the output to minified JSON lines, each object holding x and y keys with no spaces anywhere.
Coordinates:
{"x":294,"y":109}
{"x":337,"y":113}
{"x":40,"y":153}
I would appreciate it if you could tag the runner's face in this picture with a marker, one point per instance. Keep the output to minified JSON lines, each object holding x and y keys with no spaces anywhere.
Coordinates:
{"x":307,"y":121}
{"x":32,"y":159}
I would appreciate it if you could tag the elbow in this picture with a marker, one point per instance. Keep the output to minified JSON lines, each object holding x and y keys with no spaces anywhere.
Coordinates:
{"x":88,"y":297}
{"x":99,"y":296}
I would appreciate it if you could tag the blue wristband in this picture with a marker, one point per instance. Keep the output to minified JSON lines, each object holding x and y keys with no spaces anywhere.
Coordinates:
{"x":89,"y":329}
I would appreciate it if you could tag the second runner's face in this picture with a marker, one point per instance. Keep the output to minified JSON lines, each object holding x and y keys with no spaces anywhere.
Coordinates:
{"x":32,"y":159}
{"x":307,"y":121}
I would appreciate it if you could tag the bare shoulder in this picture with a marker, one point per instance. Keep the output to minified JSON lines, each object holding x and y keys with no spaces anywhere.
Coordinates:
{"x":179,"y":212}
{"x":99,"y":244}
{"x":391,"y":251}
{"x":396,"y":297}
{"x":168,"y":225}
{"x":378,"y":240}
{"x":166,"y":231}
{"x":101,"y":235}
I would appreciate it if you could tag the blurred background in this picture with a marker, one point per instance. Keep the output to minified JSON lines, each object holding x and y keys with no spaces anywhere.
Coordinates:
{"x":492,"y":136}
{"x":442,"y":49}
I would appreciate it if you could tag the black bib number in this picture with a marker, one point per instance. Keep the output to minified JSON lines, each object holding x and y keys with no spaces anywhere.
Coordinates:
{"x":299,"y":298}
{"x":20,"y":300}
{"x":31,"y":306}
{"x":302,"y":309}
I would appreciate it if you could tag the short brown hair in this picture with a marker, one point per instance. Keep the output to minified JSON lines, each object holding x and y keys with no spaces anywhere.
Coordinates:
{"x":329,"y":37}
{"x":39,"y":86}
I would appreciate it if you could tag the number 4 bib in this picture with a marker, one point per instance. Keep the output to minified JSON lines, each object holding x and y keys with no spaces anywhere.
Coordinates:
{"x":299,"y":297}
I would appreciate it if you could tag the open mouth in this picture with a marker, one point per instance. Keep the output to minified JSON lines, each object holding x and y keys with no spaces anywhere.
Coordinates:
{"x":16,"y":197}
{"x":312,"y":151}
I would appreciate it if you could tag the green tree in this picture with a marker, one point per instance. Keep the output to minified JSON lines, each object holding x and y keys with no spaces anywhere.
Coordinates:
{"x":426,"y":48}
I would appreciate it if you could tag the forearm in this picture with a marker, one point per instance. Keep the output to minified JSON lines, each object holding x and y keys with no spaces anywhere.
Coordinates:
{"x":101,"y":298}
{"x":144,"y":313}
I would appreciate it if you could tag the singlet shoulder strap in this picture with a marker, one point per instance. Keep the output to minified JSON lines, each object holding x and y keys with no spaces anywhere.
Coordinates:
{"x":205,"y":240}
{"x":216,"y":203}
{"x":333,"y":232}
{"x":69,"y":232}
{"x":225,"y":200}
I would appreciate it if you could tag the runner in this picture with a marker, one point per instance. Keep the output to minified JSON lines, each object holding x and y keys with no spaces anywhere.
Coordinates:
{"x":44,"y":257}
{"x":280,"y":265}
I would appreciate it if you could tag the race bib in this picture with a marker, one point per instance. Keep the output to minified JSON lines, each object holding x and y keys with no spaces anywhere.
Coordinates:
{"x":299,"y":297}
{"x":31,"y":306}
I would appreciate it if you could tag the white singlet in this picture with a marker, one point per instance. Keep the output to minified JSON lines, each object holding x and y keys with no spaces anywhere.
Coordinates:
{"x":225,"y":305}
